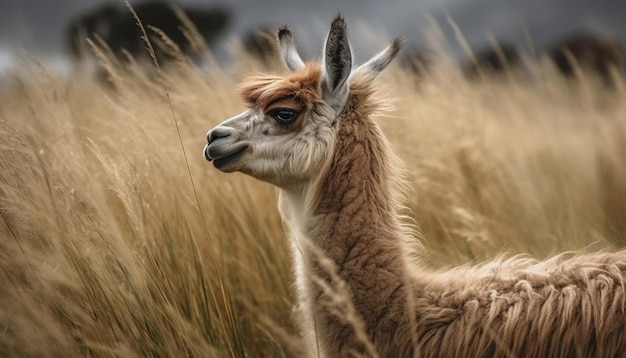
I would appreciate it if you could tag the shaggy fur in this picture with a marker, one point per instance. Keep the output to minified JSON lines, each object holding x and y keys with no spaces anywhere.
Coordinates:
{"x":569,"y":306}
{"x":303,"y":86}
{"x":361,"y":289}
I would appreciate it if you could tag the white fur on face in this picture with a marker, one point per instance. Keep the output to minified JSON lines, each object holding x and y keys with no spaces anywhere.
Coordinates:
{"x":282,"y":155}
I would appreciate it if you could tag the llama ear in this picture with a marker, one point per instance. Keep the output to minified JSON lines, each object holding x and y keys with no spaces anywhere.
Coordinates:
{"x":378,"y":63}
{"x":337,"y":64}
{"x":288,"y":49}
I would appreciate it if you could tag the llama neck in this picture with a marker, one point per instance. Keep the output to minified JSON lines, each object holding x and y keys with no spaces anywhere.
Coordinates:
{"x":351,"y":224}
{"x":354,"y":213}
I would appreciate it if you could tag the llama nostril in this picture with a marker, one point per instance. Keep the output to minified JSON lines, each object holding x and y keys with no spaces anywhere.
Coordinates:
{"x":218,"y":132}
{"x":205,"y":152}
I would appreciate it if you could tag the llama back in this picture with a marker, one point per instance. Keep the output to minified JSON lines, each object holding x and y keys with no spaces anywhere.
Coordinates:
{"x":567,"y":306}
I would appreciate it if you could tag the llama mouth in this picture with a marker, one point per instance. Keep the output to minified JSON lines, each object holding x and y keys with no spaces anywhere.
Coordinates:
{"x":223,"y":159}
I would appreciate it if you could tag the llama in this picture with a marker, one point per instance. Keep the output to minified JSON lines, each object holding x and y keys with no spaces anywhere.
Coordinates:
{"x":361,"y":287}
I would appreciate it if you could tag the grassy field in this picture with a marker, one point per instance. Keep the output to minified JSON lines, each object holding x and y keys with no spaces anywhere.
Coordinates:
{"x":118,"y":239}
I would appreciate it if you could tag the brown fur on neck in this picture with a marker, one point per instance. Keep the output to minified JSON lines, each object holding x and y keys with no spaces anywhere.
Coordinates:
{"x":361,"y":161}
{"x":355,"y":225}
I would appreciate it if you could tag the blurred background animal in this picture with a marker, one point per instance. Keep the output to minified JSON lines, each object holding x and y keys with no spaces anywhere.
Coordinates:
{"x":593,"y":54}
{"x":118,"y":29}
{"x":493,"y":60}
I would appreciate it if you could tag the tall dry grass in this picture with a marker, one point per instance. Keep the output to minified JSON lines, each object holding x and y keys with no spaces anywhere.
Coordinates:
{"x":106,"y":249}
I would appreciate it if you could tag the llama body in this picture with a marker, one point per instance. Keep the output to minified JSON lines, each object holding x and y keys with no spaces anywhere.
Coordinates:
{"x":361,"y":288}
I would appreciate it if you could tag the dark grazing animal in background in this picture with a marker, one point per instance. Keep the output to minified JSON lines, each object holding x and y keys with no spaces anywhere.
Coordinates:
{"x":493,"y":60}
{"x":116,"y":26}
{"x":594,"y":54}
{"x":261,"y":44}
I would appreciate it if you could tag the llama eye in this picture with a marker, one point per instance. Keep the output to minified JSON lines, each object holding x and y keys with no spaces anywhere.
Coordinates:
{"x":283,"y":115}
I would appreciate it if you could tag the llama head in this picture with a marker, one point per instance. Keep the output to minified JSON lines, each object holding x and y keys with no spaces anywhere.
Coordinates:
{"x":288,"y":133}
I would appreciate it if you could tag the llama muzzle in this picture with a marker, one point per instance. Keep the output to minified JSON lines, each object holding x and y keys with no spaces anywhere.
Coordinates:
{"x":224,"y":148}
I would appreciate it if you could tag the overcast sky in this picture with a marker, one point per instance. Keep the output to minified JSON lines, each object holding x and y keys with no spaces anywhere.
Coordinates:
{"x":36,"y":26}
